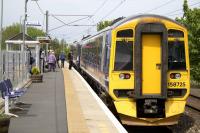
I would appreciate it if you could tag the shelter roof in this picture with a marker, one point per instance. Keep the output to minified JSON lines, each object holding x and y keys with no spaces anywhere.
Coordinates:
{"x":20,"y":37}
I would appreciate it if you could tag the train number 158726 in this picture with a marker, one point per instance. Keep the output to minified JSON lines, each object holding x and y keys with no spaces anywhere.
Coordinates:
{"x":176,"y":84}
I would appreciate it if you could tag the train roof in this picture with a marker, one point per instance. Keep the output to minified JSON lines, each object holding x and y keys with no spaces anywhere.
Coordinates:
{"x":143,"y":16}
{"x":129,"y":19}
{"x":99,"y":32}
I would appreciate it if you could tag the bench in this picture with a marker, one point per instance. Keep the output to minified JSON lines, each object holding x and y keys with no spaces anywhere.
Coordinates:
{"x":8,"y":93}
{"x":19,"y":91}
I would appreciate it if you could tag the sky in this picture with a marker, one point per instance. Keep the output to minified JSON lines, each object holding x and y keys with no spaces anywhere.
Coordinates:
{"x":13,"y":12}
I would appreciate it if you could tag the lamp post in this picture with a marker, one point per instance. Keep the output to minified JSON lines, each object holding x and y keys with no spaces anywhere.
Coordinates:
{"x":24,"y":25}
{"x":1,"y":27}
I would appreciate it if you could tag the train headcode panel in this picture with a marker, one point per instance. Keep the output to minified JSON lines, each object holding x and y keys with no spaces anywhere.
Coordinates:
{"x":140,"y":68}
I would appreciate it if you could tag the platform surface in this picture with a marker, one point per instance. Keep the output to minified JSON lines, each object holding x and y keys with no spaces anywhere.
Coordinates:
{"x":46,"y":112}
{"x":62,"y":104}
{"x":83,"y":112}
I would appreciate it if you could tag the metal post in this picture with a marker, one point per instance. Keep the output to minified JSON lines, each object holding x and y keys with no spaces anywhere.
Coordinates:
{"x":20,"y":22}
{"x":4,"y":65}
{"x":24,"y":25}
{"x":47,"y":28}
{"x":18,"y":78}
{"x":1,"y":27}
{"x":6,"y":105}
{"x":13,"y":66}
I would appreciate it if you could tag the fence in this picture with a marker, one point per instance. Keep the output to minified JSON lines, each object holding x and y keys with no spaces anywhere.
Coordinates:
{"x":14,"y":65}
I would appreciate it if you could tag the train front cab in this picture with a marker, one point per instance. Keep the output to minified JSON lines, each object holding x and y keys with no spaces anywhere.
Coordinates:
{"x":149,"y":71}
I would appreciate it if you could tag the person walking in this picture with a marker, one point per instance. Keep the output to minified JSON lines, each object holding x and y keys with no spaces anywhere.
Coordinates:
{"x":52,"y":61}
{"x":70,"y":58}
{"x":31,"y":60}
{"x":62,"y":58}
{"x":57,"y":60}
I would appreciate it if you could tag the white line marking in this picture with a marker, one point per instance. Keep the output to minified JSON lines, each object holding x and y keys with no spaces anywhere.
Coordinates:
{"x":115,"y":122}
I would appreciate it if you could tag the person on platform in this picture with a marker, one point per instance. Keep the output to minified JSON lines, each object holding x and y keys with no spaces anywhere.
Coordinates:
{"x":70,"y":58}
{"x":31,"y":60}
{"x":62,"y":58}
{"x":57,"y":60}
{"x":52,"y":61}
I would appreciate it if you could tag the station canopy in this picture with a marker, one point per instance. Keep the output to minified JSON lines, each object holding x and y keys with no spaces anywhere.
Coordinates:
{"x":15,"y":42}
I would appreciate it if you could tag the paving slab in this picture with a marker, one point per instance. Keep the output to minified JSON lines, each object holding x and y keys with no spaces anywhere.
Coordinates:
{"x":46,"y":109}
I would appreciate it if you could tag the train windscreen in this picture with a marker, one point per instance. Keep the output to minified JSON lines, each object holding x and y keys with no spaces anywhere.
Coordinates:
{"x":176,"y":55}
{"x":124,"y":55}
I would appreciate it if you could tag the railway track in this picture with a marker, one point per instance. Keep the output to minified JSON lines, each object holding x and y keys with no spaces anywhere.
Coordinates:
{"x":193,"y":102}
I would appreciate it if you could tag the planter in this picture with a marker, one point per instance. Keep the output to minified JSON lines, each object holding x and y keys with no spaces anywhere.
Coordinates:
{"x":36,"y":78}
{"x":4,"y":124}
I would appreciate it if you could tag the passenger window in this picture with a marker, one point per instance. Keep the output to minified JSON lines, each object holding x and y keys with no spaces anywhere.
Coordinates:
{"x":175,"y":33}
{"x":124,"y":56}
{"x":107,"y":53}
{"x":176,"y":55}
{"x":125,"y":33}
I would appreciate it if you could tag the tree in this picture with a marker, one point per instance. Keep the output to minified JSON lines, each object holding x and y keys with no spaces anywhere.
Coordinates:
{"x":9,"y":32}
{"x":14,"y":29}
{"x":191,"y":19}
{"x":59,"y":46}
{"x":34,"y":32}
{"x":103,"y":24}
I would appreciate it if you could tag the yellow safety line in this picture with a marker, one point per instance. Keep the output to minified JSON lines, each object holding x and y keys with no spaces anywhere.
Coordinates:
{"x":103,"y":128}
{"x":75,"y":118}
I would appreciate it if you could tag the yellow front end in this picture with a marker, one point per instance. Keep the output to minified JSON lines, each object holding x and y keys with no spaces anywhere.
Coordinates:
{"x":122,"y":82}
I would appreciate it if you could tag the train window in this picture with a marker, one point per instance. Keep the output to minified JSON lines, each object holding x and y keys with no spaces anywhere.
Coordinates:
{"x":107,"y":52}
{"x":175,"y":33}
{"x":176,"y":55}
{"x":125,"y":33}
{"x":124,"y":55}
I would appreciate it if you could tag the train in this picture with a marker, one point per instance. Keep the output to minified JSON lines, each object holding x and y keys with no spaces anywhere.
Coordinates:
{"x":140,"y":67}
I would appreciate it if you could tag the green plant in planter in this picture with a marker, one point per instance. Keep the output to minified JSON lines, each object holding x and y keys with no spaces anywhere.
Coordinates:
{"x":36,"y":76}
{"x":4,"y":123}
{"x":35,"y":71}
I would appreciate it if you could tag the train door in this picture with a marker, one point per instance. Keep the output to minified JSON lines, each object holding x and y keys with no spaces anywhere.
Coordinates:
{"x":151,"y":63}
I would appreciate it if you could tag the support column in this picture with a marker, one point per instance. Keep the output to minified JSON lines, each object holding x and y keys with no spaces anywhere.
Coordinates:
{"x":37,"y":49}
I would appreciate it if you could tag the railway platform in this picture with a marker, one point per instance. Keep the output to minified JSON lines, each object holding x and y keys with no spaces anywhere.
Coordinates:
{"x":63,"y":103}
{"x":45,"y":111}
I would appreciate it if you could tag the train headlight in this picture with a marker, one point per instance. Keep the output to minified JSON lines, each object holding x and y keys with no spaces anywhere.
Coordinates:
{"x":124,"y":76}
{"x":121,"y":75}
{"x":175,"y":75}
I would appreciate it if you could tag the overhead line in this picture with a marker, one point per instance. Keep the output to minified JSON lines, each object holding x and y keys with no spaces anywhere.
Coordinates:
{"x":170,"y":1}
{"x":42,"y":12}
{"x":101,"y":6}
{"x":118,"y":5}
{"x":58,"y":19}
{"x":174,"y":11}
{"x":39,"y":8}
{"x":66,"y":24}
{"x":95,"y":12}
{"x":175,"y":14}
{"x":81,"y":25}
{"x":70,"y":15}
{"x":181,"y":8}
